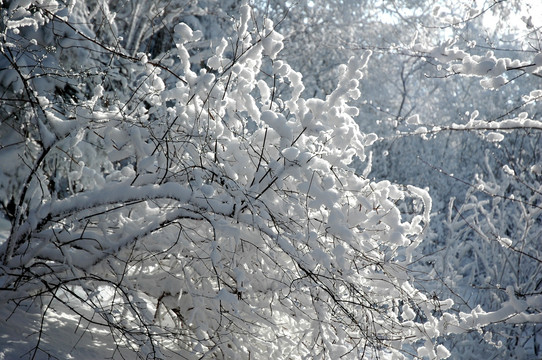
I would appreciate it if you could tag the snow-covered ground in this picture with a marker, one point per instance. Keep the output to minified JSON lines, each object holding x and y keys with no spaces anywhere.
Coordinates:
{"x":4,"y":229}
{"x":64,"y":336}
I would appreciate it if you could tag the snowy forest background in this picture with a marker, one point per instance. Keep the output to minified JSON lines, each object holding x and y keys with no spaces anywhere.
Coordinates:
{"x":326,"y":179}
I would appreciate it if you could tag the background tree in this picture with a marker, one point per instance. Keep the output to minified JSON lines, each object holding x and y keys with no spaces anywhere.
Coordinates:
{"x":492,"y":227}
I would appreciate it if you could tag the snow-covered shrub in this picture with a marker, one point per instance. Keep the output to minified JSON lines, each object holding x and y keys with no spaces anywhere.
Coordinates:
{"x":204,"y":214}
{"x":172,"y":196}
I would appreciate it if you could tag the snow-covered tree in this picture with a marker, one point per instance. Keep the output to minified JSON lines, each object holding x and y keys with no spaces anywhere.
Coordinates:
{"x":169,"y":181}
{"x":437,"y":66}
{"x":191,"y":210}
{"x":488,"y":250}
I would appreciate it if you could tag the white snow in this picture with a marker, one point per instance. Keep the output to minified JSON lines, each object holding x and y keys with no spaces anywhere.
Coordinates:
{"x":223,"y":202}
